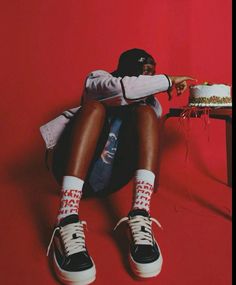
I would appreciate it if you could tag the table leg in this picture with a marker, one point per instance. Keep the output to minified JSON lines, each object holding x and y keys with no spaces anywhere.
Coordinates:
{"x":229,"y":150}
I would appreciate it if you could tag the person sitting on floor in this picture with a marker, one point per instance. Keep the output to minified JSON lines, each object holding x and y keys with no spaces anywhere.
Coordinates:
{"x":110,"y":139}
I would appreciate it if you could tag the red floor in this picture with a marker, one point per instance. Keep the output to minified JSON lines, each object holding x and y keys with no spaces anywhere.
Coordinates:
{"x":193,"y":205}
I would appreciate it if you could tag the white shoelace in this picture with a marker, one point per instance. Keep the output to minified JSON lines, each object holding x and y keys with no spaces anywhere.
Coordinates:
{"x":72,"y":236}
{"x":137,"y":223}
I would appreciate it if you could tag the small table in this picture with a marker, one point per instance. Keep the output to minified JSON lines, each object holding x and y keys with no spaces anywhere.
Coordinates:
{"x":217,"y":113}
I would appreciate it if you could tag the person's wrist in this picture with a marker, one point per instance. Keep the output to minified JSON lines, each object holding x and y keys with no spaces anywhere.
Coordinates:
{"x":172,"y":80}
{"x":169,"y":78}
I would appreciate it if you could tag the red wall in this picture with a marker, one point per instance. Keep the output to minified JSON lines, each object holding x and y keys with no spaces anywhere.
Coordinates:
{"x":47,"y":48}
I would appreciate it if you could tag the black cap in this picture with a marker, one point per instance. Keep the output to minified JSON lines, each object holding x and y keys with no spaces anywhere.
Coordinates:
{"x":131,"y":62}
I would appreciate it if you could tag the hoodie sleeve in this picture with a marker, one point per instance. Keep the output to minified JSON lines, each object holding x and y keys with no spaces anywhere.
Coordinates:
{"x":144,"y":85}
{"x":102,"y":86}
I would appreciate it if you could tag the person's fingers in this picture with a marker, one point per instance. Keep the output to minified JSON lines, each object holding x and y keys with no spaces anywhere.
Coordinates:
{"x":181,"y":87}
{"x":185,"y":78}
{"x":184,"y":86}
{"x":192,"y":79}
{"x":179,"y":91}
{"x":181,"y":79}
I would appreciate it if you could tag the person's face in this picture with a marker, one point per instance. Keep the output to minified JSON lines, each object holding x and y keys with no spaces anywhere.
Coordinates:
{"x":148,"y":69}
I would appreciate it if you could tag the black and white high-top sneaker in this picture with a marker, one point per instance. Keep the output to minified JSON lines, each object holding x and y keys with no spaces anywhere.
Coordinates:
{"x":71,"y":260}
{"x":145,"y":255}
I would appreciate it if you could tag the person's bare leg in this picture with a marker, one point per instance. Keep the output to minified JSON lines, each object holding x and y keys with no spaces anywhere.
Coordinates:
{"x":148,"y":138}
{"x":145,"y":254}
{"x":148,"y":146}
{"x":79,"y":151}
{"x":71,"y":258}
{"x":86,"y":131}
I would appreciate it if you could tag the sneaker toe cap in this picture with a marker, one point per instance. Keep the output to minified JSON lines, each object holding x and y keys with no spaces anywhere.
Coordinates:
{"x":78,"y":262}
{"x":145,"y":253}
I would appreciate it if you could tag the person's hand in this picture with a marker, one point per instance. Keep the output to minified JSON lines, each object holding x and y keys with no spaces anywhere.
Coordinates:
{"x":179,"y":83}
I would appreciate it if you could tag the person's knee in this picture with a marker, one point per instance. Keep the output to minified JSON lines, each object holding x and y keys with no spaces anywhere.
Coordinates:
{"x":145,"y":112}
{"x":94,"y":108}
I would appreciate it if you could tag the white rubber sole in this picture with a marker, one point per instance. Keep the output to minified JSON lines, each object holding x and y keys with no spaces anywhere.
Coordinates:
{"x":146,"y":270}
{"x":75,"y":278}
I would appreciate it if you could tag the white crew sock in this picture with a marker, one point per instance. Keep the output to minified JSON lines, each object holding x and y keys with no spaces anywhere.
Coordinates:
{"x":144,"y":183}
{"x":71,"y":193}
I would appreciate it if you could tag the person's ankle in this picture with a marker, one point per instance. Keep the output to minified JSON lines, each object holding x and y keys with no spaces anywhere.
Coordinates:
{"x":74,"y":218}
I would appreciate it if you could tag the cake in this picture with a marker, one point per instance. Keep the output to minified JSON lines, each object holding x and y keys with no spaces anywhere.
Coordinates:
{"x":210,"y":95}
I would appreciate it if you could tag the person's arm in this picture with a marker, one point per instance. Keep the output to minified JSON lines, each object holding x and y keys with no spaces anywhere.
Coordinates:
{"x":102,"y":86}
